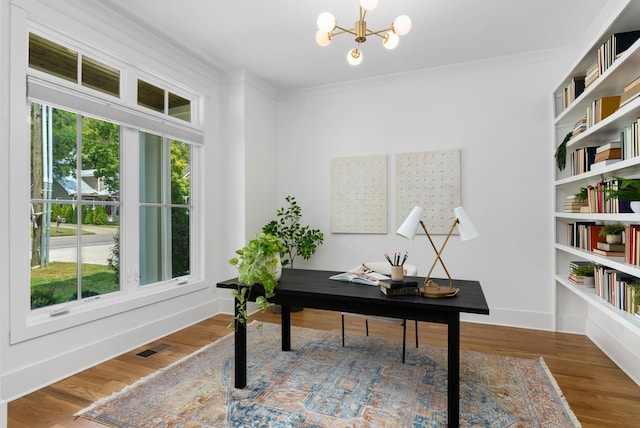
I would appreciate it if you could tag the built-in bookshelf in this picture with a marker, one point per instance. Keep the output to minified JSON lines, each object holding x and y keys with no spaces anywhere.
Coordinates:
{"x":607,"y":72}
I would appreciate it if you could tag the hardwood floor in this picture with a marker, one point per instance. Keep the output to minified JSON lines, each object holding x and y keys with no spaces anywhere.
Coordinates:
{"x":599,"y":393}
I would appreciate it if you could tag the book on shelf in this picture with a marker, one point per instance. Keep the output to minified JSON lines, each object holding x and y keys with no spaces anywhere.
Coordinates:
{"x":602,"y":108}
{"x":608,"y":154}
{"x":608,"y":146}
{"x":402,"y":288}
{"x":584,"y":235}
{"x":371,"y":278}
{"x":573,"y":90}
{"x":580,"y":125}
{"x":608,"y":253}
{"x":593,"y":72}
{"x":610,"y":247}
{"x":631,"y":91}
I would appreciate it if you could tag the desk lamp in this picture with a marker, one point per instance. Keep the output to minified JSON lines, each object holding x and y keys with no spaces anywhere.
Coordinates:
{"x":467,"y":231}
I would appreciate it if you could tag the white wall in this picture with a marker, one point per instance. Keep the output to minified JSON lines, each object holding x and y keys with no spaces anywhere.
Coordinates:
{"x":498,"y":114}
{"x":31,"y":364}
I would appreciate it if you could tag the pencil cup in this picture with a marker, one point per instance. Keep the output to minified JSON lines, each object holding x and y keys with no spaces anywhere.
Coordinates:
{"x":397,"y":273}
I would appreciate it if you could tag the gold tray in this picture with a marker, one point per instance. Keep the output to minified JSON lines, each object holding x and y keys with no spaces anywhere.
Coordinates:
{"x":437,"y":292}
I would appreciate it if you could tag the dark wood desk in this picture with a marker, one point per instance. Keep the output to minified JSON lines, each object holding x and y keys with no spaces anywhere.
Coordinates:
{"x":314,"y":289}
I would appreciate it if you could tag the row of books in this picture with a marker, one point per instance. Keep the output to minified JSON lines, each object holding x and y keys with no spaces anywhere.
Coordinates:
{"x":617,"y":288}
{"x":597,"y":111}
{"x":613,"y":48}
{"x":586,"y":236}
{"x":593,"y":158}
{"x":573,"y":90}
{"x":632,"y":249}
{"x":610,"y":51}
{"x":629,"y":140}
{"x":597,"y":198}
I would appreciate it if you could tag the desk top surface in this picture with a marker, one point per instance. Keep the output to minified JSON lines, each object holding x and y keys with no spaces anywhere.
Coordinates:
{"x":316,"y":283}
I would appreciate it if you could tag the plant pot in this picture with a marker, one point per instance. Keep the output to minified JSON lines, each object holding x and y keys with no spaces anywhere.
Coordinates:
{"x":589,"y":281}
{"x":635,"y":206}
{"x":613,"y":239}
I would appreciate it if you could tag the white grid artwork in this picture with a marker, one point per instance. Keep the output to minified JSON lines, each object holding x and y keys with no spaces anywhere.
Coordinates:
{"x":430,"y":180}
{"x":359,"y":194}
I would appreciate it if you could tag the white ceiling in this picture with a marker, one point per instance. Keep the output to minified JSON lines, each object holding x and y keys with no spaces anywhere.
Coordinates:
{"x":275,"y":39}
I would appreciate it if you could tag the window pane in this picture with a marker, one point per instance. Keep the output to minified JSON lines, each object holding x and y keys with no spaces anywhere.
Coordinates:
{"x":180,"y":173}
{"x":151,"y":149}
{"x":150,"y":96}
{"x":151,"y":245}
{"x":101,"y":77}
{"x":100,"y":270}
{"x":180,"y":248}
{"x":52,"y":58}
{"x":179,"y":107}
{"x":59,"y":190}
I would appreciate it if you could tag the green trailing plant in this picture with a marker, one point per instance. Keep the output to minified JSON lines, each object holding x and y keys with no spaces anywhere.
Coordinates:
{"x":628,"y":189}
{"x":257,"y":263}
{"x":561,"y":152}
{"x":612,"y":229}
{"x":298,"y":240}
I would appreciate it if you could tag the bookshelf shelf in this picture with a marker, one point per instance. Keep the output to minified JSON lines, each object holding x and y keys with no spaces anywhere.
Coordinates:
{"x":581,"y":309}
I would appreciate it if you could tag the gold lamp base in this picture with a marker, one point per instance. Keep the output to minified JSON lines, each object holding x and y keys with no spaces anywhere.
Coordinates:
{"x":435,"y":291}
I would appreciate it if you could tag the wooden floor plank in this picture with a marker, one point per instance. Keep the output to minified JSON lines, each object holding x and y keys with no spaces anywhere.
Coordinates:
{"x":599,"y":393}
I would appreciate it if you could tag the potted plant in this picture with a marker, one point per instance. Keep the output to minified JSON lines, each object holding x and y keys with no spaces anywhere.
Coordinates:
{"x":586,"y":272}
{"x":612,"y":232}
{"x":298,"y":240}
{"x":628,"y":189}
{"x":258,"y":263}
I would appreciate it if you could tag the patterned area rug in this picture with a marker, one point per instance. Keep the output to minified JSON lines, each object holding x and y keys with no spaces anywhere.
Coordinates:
{"x":321,"y":384}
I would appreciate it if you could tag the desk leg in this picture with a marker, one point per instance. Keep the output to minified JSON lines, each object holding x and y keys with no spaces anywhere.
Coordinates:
{"x":286,"y":328}
{"x":240,"y":354}
{"x":453,"y":389}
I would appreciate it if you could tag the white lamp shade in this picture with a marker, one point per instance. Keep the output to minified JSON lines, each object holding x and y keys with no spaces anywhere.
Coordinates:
{"x":326,"y":22}
{"x":368,"y":4}
{"x":409,"y":227}
{"x":465,"y":226}
{"x":390,"y":40}
{"x":402,"y":25}
{"x":323,"y":38}
{"x":354,"y":56}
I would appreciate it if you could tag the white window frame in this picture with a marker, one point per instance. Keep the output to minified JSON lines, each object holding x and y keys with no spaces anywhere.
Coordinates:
{"x":50,"y":90}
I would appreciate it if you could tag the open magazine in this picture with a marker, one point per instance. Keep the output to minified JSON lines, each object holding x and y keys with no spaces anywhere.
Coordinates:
{"x":370,"y":278}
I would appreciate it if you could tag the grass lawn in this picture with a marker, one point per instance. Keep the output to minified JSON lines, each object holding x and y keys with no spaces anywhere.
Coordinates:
{"x":57,"y":283}
{"x":67,"y":231}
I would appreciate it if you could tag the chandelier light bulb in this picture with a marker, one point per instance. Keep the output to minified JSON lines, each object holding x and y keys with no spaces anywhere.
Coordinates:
{"x":368,"y":4}
{"x":401,"y":25}
{"x":354,"y":56}
{"x":323,"y":38}
{"x":326,"y":22}
{"x":390,"y":40}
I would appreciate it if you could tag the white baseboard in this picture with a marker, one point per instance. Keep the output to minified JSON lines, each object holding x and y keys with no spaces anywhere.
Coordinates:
{"x":36,"y":376}
{"x":3,"y":414}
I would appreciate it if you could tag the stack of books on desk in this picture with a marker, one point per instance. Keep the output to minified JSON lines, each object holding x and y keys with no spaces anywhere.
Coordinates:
{"x":399,"y":288}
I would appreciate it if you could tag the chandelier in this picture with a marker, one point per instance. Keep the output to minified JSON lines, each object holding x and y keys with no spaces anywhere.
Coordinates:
{"x":328,"y":27}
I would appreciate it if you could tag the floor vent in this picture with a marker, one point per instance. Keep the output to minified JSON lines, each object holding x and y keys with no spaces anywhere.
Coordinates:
{"x":153,"y":351}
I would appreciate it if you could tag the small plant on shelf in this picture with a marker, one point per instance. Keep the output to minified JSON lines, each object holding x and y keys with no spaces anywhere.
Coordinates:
{"x":612,"y":229}
{"x":584,"y":270}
